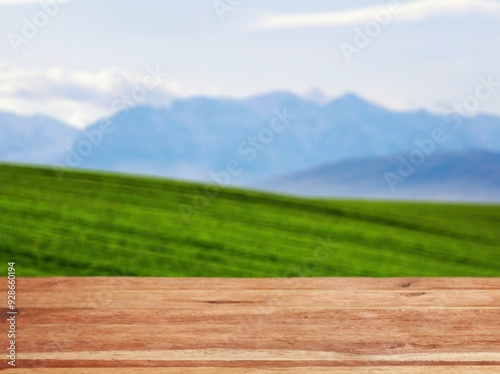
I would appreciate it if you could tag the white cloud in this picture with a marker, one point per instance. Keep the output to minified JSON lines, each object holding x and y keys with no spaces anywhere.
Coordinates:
{"x":407,"y":11}
{"x":79,"y":97}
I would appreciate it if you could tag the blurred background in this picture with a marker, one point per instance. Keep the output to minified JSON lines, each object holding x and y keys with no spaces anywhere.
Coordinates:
{"x":318,"y":102}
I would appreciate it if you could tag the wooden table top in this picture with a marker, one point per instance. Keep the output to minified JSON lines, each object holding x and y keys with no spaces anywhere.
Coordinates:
{"x":299,"y":325}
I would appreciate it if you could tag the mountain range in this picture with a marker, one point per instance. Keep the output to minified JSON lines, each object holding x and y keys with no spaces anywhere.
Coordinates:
{"x":464,"y":176}
{"x":33,"y":140}
{"x":199,"y":135}
{"x":275,"y":141}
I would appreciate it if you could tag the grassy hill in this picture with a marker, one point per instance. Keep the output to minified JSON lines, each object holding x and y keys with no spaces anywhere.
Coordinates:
{"x":101,"y":224}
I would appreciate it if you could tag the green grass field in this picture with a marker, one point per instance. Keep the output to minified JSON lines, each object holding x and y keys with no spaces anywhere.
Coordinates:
{"x":101,"y":224}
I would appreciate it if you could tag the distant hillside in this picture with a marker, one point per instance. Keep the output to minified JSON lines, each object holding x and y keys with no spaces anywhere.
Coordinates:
{"x":99,"y":224}
{"x":466,"y":176}
{"x":33,"y":140}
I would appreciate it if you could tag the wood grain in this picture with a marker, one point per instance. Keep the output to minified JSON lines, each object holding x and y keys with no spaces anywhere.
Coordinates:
{"x":298,"y":325}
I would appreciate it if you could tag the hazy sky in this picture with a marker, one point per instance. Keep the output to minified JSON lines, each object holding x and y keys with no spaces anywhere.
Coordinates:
{"x":88,"y":53}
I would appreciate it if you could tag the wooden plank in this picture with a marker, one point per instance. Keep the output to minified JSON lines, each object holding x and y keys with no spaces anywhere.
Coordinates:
{"x":237,"y":299}
{"x":50,"y":284}
{"x":314,"y":325}
{"x":297,"y":370}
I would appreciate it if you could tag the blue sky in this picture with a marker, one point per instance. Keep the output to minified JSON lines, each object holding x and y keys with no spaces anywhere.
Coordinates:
{"x":429,"y":55}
